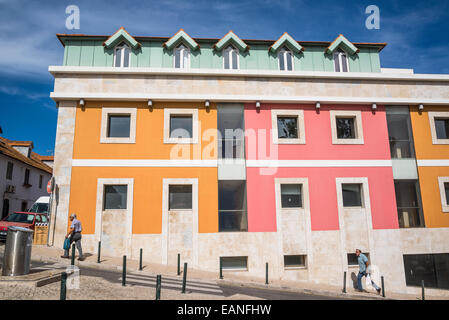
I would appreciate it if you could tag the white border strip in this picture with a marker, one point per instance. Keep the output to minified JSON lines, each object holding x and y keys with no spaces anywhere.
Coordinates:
{"x":317,"y":163}
{"x":248,"y":73}
{"x":433,"y":163}
{"x":142,"y":163}
{"x":214,"y":163}
{"x":111,"y":96}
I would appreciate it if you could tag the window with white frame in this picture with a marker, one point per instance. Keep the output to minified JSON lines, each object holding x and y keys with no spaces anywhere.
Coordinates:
{"x":115,"y":197}
{"x":443,"y":183}
{"x":295,"y":261}
{"x":341,"y":61}
{"x":352,"y":194}
{"x":180,"y":125}
{"x":288,"y":127}
{"x":346,"y":127}
{"x":118,"y":125}
{"x":122,"y":56}
{"x":285,"y":58}
{"x":180,"y":197}
{"x":439,"y":127}
{"x":182,"y":57}
{"x":291,"y":195}
{"x":230,"y":58}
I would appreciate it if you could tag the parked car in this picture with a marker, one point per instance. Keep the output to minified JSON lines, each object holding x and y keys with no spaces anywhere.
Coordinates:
{"x":41,"y":205}
{"x":21,"y":219}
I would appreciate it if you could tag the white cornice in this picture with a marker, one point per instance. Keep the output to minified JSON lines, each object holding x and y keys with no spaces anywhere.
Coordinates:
{"x":54,"y":70}
{"x":59,"y":96}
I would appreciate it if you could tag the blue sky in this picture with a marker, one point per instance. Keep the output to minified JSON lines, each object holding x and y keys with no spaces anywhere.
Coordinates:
{"x":417,"y":33}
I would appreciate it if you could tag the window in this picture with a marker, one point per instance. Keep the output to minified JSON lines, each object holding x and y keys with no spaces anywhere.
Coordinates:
{"x":115,"y":197}
{"x":352,"y":194}
{"x":122,"y":56}
{"x":439,"y":127}
{"x":443,"y":183}
{"x":340,"y":61}
{"x":408,"y":202}
{"x":180,"y":197}
{"x":288,"y":126}
{"x":118,"y":125}
{"x":230,"y":58}
{"x":40,"y":181}
{"x":353,"y":260}
{"x":180,"y":125}
{"x":285,"y":60}
{"x":26,"y":180}
{"x":346,"y":127}
{"x":182,"y":57}
{"x":24,"y":208}
{"x":432,"y":268}
{"x":400,"y":136}
{"x":234,"y":263}
{"x":291,"y":196}
{"x":9,"y":170}
{"x":294,"y":261}
{"x":232,"y":214}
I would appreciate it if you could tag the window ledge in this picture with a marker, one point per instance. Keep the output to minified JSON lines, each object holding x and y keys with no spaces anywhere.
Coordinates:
{"x":238,"y":270}
{"x":295,"y":268}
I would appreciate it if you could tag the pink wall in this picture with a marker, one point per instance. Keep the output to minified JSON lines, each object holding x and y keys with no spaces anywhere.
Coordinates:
{"x":322,"y":185}
{"x":318,"y":134}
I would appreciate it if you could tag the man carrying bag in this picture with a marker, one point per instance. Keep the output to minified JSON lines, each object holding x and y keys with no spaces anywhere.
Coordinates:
{"x":74,"y":235}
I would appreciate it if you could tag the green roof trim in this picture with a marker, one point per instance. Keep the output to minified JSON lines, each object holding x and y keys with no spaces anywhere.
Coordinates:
{"x":288,"y":41}
{"x":341,"y":41}
{"x":229,"y":38}
{"x":118,"y":37}
{"x":181,"y":36}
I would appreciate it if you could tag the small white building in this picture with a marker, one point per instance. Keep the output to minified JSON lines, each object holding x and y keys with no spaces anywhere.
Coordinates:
{"x":23,"y":176}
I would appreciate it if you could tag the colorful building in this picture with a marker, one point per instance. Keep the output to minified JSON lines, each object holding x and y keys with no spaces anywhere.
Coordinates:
{"x":246,"y":152}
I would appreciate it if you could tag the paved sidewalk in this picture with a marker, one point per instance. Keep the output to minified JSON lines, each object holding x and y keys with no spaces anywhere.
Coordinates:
{"x":205,"y":279}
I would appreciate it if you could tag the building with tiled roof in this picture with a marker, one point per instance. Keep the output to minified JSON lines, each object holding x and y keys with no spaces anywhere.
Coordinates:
{"x":24,"y":175}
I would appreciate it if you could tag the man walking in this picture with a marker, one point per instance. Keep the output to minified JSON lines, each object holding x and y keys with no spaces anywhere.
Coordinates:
{"x":75,"y":236}
{"x":363,"y":265}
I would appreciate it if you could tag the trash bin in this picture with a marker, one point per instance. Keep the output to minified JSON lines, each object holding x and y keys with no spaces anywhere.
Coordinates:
{"x":17,"y":255}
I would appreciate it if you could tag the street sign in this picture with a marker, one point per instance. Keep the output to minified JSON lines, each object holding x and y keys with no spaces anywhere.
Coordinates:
{"x":50,"y":185}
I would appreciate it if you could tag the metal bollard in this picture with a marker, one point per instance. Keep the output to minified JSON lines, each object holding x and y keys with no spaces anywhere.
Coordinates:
{"x":266,"y":273}
{"x":221,"y":270}
{"x":383,"y":286}
{"x":184,"y":278}
{"x":99,"y":252}
{"x":158,"y":287}
{"x":73,"y":255}
{"x":344,"y":282}
{"x":422,"y":290}
{"x":140,"y":260}
{"x":124,"y":272}
{"x":62,"y":294}
{"x":179,"y":264}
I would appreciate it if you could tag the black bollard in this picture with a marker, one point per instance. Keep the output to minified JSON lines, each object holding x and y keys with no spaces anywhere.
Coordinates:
{"x":73,"y":255}
{"x":221,"y":270}
{"x":422,"y":290}
{"x":158,"y":287}
{"x":344,"y":282}
{"x":99,"y":252}
{"x":62,"y":294}
{"x":179,"y":264}
{"x":266,"y":273}
{"x":140,"y":260}
{"x":184,"y":278}
{"x":383,"y":286}
{"x":124,"y":272}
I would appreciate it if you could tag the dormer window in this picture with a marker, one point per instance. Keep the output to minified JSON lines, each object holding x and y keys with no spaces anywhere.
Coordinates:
{"x":340,"y":61}
{"x":182,"y":57}
{"x":231,"y":58}
{"x":122,"y":56}
{"x":285,"y":60}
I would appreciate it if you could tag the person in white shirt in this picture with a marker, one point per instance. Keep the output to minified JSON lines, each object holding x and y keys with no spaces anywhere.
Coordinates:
{"x":75,"y":236}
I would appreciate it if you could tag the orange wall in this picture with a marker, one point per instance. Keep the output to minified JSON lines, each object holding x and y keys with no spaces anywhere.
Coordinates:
{"x":147,"y":203}
{"x":434,"y":216}
{"x":149,"y":132}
